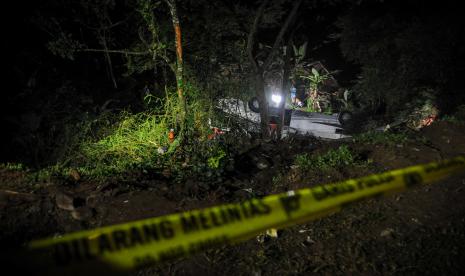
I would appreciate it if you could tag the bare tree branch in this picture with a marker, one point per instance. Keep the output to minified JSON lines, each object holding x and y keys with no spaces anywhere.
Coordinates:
{"x":179,"y":61}
{"x":125,"y":52}
{"x":283,"y":30}
{"x":253,"y":32}
{"x":114,"y":52}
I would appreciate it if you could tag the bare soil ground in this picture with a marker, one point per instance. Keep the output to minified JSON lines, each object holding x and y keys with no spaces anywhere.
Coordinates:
{"x":420,"y":231}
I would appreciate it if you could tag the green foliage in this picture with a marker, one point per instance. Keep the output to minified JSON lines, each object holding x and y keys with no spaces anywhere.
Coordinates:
{"x":117,"y":144}
{"x":13,"y":166}
{"x":316,"y":102}
{"x":332,"y":159}
{"x":278,"y":179}
{"x":140,"y":142}
{"x":417,"y":111}
{"x":315,"y":78}
{"x":152,"y":40}
{"x":45,"y":174}
{"x":218,"y":58}
{"x":204,"y":160}
{"x":214,"y":161}
{"x":64,"y":46}
{"x":329,"y":110}
{"x":381,"y":138}
{"x":452,"y":119}
{"x":310,"y":106}
{"x":134,"y":143}
{"x":346,"y":100}
{"x":299,"y":53}
{"x":132,"y":30}
{"x":458,"y":117}
{"x":399,"y":52}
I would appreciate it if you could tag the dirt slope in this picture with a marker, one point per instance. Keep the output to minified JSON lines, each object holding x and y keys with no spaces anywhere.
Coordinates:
{"x":418,"y":232}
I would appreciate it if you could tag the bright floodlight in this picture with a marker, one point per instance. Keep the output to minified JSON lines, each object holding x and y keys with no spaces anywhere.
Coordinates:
{"x":276,"y":98}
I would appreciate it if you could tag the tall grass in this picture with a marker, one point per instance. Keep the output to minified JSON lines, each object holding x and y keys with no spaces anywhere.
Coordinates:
{"x":140,"y":141}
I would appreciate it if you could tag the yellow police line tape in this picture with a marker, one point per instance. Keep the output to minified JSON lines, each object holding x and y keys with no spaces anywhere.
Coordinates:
{"x":152,"y":241}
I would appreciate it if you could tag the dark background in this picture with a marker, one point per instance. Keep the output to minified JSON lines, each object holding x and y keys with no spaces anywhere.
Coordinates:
{"x":386,"y":51}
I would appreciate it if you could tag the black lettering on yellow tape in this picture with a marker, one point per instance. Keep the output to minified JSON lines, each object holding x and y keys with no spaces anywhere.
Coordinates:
{"x":193,"y":222}
{"x":290,"y":202}
{"x":444,"y":165}
{"x":79,"y":249}
{"x":351,"y":186}
{"x":412,"y":179}
{"x":374,"y":181}
{"x":331,"y":190}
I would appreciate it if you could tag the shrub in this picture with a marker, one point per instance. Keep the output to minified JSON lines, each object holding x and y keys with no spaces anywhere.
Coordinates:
{"x":140,"y":142}
{"x":334,"y":158}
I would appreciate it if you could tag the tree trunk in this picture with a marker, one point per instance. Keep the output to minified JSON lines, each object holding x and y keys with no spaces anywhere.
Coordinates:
{"x":290,"y":19}
{"x":179,"y":61}
{"x":263,"y":103}
{"x":103,"y":42}
{"x":285,"y":87}
{"x":259,"y":70}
